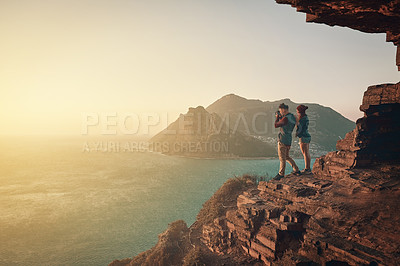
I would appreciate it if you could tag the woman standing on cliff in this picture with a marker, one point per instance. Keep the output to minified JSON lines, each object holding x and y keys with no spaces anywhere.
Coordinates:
{"x":304,"y":136}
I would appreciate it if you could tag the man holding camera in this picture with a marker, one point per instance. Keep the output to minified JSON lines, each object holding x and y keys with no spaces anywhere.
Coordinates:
{"x":286,"y":122}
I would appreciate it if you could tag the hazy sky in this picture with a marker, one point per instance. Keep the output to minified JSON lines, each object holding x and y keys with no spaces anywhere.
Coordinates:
{"x":61,"y":59}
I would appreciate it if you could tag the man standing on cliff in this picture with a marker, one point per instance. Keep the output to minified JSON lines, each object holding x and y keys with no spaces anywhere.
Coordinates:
{"x":286,"y":122}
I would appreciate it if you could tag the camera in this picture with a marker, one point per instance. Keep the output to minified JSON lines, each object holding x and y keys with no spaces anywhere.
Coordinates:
{"x":277,"y":113}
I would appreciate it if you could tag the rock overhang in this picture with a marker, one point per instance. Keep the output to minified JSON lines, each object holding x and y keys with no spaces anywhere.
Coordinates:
{"x":368,"y":16}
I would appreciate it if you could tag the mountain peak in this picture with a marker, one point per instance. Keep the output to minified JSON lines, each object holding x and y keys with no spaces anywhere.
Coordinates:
{"x":233,"y":96}
{"x":232,"y":101}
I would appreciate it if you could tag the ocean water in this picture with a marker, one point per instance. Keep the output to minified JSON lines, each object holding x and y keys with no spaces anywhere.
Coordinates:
{"x":61,"y":205}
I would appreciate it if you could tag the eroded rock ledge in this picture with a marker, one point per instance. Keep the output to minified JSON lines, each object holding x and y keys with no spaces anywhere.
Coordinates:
{"x":376,"y":136}
{"x":369,"y":16}
{"x":314,"y":220}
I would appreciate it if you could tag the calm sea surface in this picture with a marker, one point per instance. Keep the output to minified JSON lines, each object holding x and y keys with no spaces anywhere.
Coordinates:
{"x":61,"y":205}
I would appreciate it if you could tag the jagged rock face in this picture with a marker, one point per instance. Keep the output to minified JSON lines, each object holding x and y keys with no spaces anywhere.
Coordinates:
{"x":376,"y":136}
{"x":348,"y":219}
{"x":364,"y":15}
{"x":377,"y":133}
{"x":381,"y":95}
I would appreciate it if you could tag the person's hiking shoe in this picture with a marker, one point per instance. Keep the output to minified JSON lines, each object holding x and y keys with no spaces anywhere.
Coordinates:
{"x":278,"y":177}
{"x":306,"y":171}
{"x":296,"y":173}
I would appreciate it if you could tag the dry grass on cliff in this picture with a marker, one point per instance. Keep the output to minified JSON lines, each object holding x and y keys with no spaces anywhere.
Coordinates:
{"x":224,"y":198}
{"x":170,"y":249}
